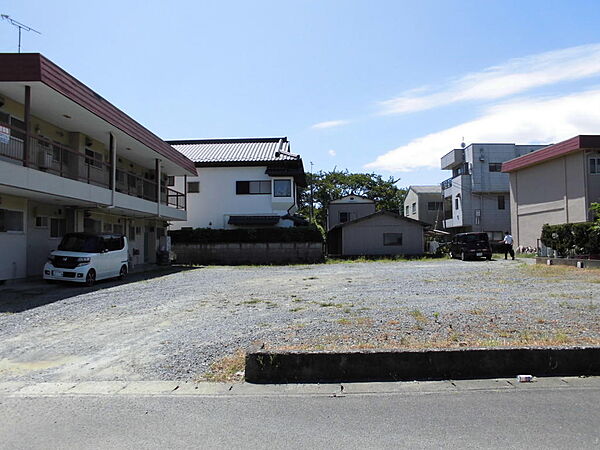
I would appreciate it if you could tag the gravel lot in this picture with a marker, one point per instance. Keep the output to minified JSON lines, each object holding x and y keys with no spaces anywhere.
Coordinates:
{"x":174,"y":326}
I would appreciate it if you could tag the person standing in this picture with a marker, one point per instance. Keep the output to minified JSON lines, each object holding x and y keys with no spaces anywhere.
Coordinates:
{"x":508,"y":245}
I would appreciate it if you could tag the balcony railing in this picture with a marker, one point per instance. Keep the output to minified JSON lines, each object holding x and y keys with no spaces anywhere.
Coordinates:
{"x":446,"y":184}
{"x":55,"y":158}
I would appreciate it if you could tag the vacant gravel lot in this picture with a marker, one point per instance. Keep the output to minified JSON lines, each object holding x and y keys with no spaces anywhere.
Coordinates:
{"x":174,"y":326}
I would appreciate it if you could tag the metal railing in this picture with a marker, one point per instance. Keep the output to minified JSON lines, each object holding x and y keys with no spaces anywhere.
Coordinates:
{"x":53,"y":157}
{"x":446,"y":184}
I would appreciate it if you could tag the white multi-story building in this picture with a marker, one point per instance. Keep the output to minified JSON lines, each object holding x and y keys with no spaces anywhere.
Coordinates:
{"x":246,"y":182}
{"x":476,"y":197}
{"x":70,"y":161}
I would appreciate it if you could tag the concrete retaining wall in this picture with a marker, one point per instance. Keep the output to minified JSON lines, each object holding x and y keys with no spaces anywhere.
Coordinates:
{"x":249,"y":253}
{"x":453,"y":364}
{"x":583,"y":263}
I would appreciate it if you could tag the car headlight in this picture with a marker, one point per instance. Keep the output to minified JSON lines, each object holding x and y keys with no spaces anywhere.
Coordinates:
{"x":83,"y":261}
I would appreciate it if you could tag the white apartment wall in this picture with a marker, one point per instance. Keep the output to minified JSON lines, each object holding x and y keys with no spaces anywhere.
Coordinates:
{"x":217,"y":199}
{"x":13,"y":245}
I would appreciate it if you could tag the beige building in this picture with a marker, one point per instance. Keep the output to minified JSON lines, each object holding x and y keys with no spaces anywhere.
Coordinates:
{"x":425,"y":203}
{"x":553,"y":185}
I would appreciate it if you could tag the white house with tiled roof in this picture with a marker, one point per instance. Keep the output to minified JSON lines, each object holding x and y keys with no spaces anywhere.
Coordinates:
{"x":241,"y":182}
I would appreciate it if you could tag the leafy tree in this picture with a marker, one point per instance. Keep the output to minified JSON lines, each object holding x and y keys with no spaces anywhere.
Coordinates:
{"x":328,"y":186}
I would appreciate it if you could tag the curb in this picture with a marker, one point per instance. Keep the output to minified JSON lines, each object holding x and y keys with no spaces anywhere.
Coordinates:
{"x":402,"y":365}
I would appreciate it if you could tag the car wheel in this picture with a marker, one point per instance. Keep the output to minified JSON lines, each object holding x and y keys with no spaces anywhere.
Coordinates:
{"x":489,"y":258}
{"x":123,"y":273}
{"x":90,"y":278}
{"x":463,"y":256}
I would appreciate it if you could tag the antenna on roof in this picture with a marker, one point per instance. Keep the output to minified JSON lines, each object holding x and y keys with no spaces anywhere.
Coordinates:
{"x":19,"y":25}
{"x":462,"y":144}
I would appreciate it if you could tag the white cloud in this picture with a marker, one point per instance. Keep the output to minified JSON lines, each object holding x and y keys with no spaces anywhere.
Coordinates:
{"x":530,"y":121}
{"x":332,"y":152}
{"x":513,"y":77}
{"x":330,"y":124}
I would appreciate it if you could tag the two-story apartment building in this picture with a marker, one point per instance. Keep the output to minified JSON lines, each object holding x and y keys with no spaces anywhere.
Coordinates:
{"x":554,"y":185}
{"x":71,"y":161}
{"x":424,"y":203}
{"x":241,"y":182}
{"x":476,"y":197}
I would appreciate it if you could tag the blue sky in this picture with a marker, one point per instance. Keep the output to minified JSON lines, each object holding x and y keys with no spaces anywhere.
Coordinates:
{"x":384,"y":86}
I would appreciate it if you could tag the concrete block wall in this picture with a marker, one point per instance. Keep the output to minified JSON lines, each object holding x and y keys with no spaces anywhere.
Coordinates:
{"x":249,"y":253}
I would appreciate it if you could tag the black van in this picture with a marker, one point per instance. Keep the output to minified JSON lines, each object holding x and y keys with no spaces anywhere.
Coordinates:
{"x":470,"y":246}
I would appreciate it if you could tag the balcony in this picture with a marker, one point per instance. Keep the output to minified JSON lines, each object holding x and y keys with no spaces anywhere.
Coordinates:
{"x":57,"y":159}
{"x":453,"y":158}
{"x":446,"y":184}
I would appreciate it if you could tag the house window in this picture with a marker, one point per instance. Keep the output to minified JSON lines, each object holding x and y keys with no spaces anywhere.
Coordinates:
{"x":392,"y":239}
{"x":434,"y":206}
{"x":407,"y":210}
{"x":41,"y":222}
{"x":282,"y":188}
{"x":11,"y":220}
{"x":595,"y":166}
{"x":495,"y":167}
{"x":344,"y":217}
{"x":170,"y":181}
{"x":414,"y":208}
{"x":58,"y":227}
{"x":193,"y":187}
{"x":93,"y":158}
{"x":501,"y":204}
{"x":252,"y":187}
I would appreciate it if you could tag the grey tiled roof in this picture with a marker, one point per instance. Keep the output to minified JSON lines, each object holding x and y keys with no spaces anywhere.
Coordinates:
{"x":235,"y":150}
{"x":430,"y":189}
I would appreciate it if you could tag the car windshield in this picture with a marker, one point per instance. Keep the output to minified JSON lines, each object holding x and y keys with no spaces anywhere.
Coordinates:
{"x":85,"y":243}
{"x":479,"y":237}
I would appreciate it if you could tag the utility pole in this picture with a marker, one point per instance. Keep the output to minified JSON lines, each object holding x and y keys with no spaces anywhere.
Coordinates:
{"x":311,"y":192}
{"x":19,"y":25}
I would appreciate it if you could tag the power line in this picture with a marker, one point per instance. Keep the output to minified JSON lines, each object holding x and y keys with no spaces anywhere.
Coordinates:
{"x":19,"y":25}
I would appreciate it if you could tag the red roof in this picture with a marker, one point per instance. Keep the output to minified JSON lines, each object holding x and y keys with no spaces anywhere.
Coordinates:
{"x":572,"y":145}
{"x":35,"y":67}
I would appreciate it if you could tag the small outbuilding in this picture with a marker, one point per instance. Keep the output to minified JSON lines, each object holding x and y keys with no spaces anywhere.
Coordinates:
{"x":381,"y":233}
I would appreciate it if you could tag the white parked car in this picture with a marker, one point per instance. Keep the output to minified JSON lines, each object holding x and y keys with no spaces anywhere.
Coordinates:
{"x":87,"y":257}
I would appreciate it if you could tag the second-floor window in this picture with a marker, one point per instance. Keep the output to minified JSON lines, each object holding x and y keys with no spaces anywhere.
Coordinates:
{"x":595,"y":166}
{"x":434,"y":206}
{"x":495,"y":167}
{"x":407,"y":210}
{"x":252,"y":187}
{"x":501,"y":202}
{"x":93,"y":158}
{"x":282,"y":188}
{"x":170,"y":181}
{"x":344,"y":217}
{"x":456,"y":203}
{"x":193,"y":187}
{"x":414,"y":208}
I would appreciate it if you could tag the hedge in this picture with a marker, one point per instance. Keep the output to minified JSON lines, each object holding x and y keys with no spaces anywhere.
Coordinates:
{"x":572,"y":238}
{"x":250,"y":235}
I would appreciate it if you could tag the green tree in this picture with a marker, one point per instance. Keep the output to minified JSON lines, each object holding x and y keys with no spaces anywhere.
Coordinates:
{"x":328,"y":186}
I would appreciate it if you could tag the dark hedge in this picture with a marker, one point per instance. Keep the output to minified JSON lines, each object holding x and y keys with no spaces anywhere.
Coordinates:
{"x":254,"y":235}
{"x":572,"y":238}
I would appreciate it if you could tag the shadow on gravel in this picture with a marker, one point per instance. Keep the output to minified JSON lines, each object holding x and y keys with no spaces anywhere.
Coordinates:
{"x":38,"y":293}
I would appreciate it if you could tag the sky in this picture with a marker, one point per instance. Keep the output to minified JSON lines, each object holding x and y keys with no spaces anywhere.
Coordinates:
{"x":369,"y":86}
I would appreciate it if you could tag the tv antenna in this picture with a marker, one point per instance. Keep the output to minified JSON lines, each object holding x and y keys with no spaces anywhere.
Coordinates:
{"x":19,"y":25}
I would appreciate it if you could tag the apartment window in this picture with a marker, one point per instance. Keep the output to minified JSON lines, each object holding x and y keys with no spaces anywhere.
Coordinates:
{"x":58,"y":227}
{"x":495,"y":167}
{"x":91,"y":225}
{"x":132,"y":233}
{"x":434,"y":206}
{"x":193,"y":187}
{"x":407,"y":210}
{"x":477,"y":217}
{"x":131,"y":180}
{"x":414,"y":208}
{"x":93,"y":158}
{"x":41,"y":222}
{"x":282,"y":188}
{"x":170,"y":181}
{"x":501,"y":203}
{"x":11,"y":220}
{"x":56,"y":152}
{"x":456,"y":203}
{"x":252,"y":187}
{"x":117,"y":229}
{"x":595,"y":166}
{"x":107,"y":228}
{"x":392,"y":239}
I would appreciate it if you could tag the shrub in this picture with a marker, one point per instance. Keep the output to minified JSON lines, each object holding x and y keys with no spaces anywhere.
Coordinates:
{"x":246,"y":235}
{"x":572,"y":238}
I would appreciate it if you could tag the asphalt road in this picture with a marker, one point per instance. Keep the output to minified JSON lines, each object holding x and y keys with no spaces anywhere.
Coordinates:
{"x":386,"y":416}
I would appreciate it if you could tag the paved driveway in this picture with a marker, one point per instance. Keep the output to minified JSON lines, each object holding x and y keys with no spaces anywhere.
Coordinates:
{"x":174,"y":325}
